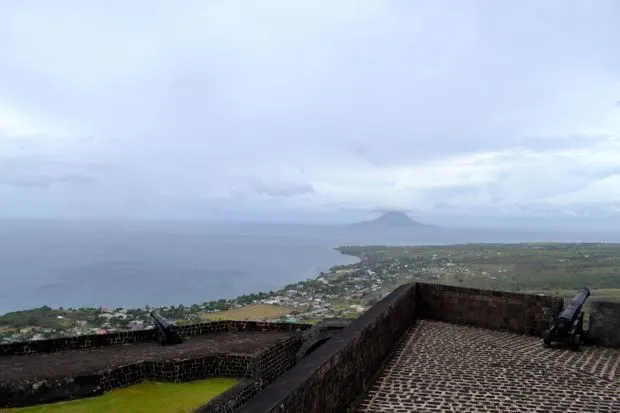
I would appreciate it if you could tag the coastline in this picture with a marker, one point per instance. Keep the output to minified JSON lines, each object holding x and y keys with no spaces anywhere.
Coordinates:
{"x":314,"y":273}
{"x":257,"y":306}
{"x":348,"y":290}
{"x":144,"y":269}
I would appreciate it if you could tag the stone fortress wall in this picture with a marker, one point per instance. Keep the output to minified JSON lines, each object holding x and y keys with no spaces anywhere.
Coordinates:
{"x":137,"y":336}
{"x":335,"y":375}
{"x":604,"y":328}
{"x":333,"y":378}
{"x":255,"y":368}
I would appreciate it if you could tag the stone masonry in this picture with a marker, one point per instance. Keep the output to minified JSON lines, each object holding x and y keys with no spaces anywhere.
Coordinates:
{"x":432,"y":347}
{"x":494,"y":310}
{"x":139,"y":336}
{"x":442,"y":367}
{"x":605,"y":323}
{"x":29,"y":379}
{"x":330,"y":378}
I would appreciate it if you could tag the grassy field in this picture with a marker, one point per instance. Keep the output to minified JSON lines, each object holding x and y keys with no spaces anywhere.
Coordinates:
{"x":251,"y":312}
{"x":544,"y":268}
{"x":146,"y":397}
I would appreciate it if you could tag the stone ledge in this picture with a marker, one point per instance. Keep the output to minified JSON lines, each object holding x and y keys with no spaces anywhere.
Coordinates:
{"x":232,"y":399}
{"x":494,"y":310}
{"x":605,"y":323}
{"x":139,"y":336}
{"x":330,"y":378}
{"x":25,"y":381}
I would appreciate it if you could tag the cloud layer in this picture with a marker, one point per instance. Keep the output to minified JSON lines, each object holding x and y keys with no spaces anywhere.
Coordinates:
{"x":192,"y":108}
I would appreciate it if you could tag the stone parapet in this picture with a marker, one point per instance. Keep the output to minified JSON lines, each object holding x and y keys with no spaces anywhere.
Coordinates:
{"x":604,"y":326}
{"x":494,"y":310}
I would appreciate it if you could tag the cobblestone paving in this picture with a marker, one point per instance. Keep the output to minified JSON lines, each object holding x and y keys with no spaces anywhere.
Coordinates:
{"x":441,"y":367}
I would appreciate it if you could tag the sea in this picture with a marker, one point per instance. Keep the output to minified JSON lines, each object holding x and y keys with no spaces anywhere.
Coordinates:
{"x":133,"y":264}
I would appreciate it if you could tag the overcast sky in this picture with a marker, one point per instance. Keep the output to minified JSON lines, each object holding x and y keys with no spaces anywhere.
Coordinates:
{"x":309,"y":108}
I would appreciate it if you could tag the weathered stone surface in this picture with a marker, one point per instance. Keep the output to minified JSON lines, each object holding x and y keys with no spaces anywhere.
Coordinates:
{"x":230,"y":400}
{"x":319,"y":334}
{"x":138,"y":336}
{"x":264,"y":369}
{"x":439,"y":366}
{"x":330,"y":378}
{"x":605,"y":323}
{"x":495,"y":310}
{"x":45,"y":377}
{"x":442,"y":367}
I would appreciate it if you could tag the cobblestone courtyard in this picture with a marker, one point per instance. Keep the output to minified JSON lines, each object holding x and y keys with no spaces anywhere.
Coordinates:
{"x":442,"y":367}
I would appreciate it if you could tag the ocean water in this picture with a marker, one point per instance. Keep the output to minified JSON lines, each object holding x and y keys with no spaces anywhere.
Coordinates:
{"x":115,"y":264}
{"x":130,"y":264}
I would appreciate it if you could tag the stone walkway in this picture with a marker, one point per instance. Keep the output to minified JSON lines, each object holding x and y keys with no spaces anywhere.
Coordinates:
{"x":441,"y":367}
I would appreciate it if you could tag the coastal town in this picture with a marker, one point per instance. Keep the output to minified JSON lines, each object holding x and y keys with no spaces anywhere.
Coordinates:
{"x":346,"y":291}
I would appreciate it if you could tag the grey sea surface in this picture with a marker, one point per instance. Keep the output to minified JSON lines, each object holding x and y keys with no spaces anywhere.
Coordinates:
{"x":74,"y":265}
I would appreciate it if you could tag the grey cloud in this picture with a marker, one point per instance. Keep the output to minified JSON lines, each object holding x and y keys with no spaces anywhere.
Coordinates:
{"x":283,"y":189}
{"x":353,"y":86}
{"x":566,"y":141}
{"x":42,"y":181}
{"x":39,"y":173}
{"x":276,"y":188}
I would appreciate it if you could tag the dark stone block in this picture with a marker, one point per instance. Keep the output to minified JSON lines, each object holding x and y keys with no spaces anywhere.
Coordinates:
{"x":495,"y":310}
{"x":262,"y":367}
{"x":332,"y":377}
{"x":137,"y":336}
{"x":605,"y":323}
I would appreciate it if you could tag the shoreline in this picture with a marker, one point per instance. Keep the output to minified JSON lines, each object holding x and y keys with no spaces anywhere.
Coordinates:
{"x":348,"y":290}
{"x":316,"y":275}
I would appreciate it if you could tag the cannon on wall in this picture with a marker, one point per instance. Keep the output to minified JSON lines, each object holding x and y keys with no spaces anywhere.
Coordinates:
{"x":164,"y":329}
{"x":567,"y":327}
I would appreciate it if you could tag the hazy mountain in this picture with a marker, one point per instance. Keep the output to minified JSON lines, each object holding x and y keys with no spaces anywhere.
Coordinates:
{"x":392,"y":219}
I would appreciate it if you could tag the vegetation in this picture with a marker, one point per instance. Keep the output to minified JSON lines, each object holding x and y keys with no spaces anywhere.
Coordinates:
{"x":250,"y":312}
{"x":46,"y":317}
{"x":540,"y":268}
{"x":145,"y":397}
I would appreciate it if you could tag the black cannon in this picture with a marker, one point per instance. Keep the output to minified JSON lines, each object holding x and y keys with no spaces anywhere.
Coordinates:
{"x":165,"y":330}
{"x":568,"y":325}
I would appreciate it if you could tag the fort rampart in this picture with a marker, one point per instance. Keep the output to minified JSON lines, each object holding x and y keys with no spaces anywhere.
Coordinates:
{"x":328,"y":379}
{"x":137,"y":336}
{"x":57,"y":381}
{"x":604,"y":328}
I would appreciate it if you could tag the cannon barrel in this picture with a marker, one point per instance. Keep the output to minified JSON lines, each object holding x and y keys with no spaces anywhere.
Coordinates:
{"x":162,"y":321}
{"x":165,"y":329}
{"x":568,"y":325}
{"x":572,"y":309}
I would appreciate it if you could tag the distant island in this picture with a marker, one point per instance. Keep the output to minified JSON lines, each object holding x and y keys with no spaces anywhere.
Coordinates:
{"x":391,"y":219}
